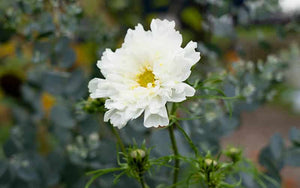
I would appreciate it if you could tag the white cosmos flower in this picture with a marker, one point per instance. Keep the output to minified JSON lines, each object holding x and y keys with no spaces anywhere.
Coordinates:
{"x":148,"y":71}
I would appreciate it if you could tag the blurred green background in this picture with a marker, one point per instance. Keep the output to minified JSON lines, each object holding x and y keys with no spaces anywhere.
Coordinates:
{"x":48,"y":53}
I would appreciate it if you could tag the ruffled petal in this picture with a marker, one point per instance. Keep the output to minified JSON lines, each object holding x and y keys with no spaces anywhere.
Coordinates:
{"x":119,"y":118}
{"x":116,"y":118}
{"x":181,"y":91}
{"x":134,"y":36}
{"x":100,"y":88}
{"x":190,"y":53}
{"x":164,"y":31}
{"x":93,"y":85}
{"x":157,"y":119}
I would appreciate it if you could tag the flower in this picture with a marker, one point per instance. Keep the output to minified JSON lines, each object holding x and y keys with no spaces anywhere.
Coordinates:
{"x":148,"y":71}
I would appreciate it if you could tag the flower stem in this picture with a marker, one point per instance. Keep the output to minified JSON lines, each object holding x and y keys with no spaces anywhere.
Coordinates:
{"x":141,"y":180}
{"x":175,"y":151}
{"x":119,"y":141}
{"x":189,"y":140}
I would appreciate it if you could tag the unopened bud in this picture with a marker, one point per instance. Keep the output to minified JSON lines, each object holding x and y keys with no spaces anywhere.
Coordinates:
{"x":210,"y":162}
{"x":138,"y":153}
{"x":234,"y":153}
{"x":234,"y":150}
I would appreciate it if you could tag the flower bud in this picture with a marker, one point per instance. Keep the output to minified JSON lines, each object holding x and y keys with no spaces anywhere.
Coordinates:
{"x":92,"y":105}
{"x":138,"y":153}
{"x":210,"y":162}
{"x":137,"y":161}
{"x":209,"y":165}
{"x":234,"y":154}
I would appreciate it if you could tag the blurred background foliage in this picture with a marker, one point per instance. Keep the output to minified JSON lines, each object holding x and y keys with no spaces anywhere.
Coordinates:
{"x":48,"y":52}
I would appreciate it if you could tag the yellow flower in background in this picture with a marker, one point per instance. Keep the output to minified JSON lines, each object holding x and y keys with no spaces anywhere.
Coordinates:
{"x":7,"y":49}
{"x":148,"y":71}
{"x":48,"y":102}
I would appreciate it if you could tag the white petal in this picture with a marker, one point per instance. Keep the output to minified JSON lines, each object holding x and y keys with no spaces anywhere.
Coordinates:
{"x":133,"y":36}
{"x":156,"y":120}
{"x":116,"y":118}
{"x":105,"y":63}
{"x":102,"y":89}
{"x":137,"y":113}
{"x":181,"y":91}
{"x":119,"y":118}
{"x":111,"y":62}
{"x":190,"y":53}
{"x":156,"y":104}
{"x":93,"y":85}
{"x":108,"y":114}
{"x":158,"y":25}
{"x":182,"y":69}
{"x":189,"y":91}
{"x":164,"y":31}
{"x":114,"y":104}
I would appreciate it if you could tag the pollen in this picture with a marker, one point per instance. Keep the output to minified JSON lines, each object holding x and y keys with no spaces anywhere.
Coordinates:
{"x":145,"y":78}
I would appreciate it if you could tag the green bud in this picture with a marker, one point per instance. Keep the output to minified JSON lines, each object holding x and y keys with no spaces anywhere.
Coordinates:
{"x":92,"y":105}
{"x":208,"y":165}
{"x":234,"y":150}
{"x":210,"y":162}
{"x":234,"y":154}
{"x":137,"y":161}
{"x":138,"y":153}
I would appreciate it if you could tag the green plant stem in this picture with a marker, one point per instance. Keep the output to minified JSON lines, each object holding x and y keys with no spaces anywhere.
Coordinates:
{"x":141,"y":180}
{"x":176,"y":154}
{"x":189,"y":140}
{"x":119,"y":141}
{"x":208,"y":180}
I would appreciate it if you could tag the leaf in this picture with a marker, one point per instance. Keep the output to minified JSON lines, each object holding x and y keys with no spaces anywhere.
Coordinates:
{"x":192,"y":17}
{"x":292,"y":157}
{"x":10,"y":147}
{"x":76,"y":86}
{"x":272,"y":156}
{"x":294,"y":135}
{"x":54,"y":82}
{"x":61,"y":116}
{"x":64,"y":55}
{"x":88,"y":125}
{"x":3,"y":167}
{"x":42,"y":51}
{"x":27,"y":173}
{"x":214,"y":89}
{"x":217,"y":97}
{"x":66,"y":58}
{"x":97,"y":173}
{"x":277,"y":146}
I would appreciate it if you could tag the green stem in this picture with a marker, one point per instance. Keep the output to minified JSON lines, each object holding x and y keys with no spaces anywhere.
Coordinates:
{"x":172,"y":112}
{"x":189,"y":140}
{"x":176,"y":154}
{"x":141,"y":180}
{"x":119,"y":141}
{"x":208,"y":179}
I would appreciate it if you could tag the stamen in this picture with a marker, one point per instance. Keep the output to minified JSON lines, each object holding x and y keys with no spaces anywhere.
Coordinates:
{"x":145,"y":78}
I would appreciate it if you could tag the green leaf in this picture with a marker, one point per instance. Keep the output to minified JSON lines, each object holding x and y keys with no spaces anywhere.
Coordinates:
{"x":64,"y":55}
{"x":192,"y":17}
{"x":277,"y":146}
{"x":54,"y":82}
{"x":98,"y":173}
{"x":61,"y":116}
{"x":292,"y":157}
{"x":294,"y":135}
{"x":3,"y":167}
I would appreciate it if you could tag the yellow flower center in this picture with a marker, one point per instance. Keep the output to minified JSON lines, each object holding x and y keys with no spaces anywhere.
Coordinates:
{"x":145,"y":78}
